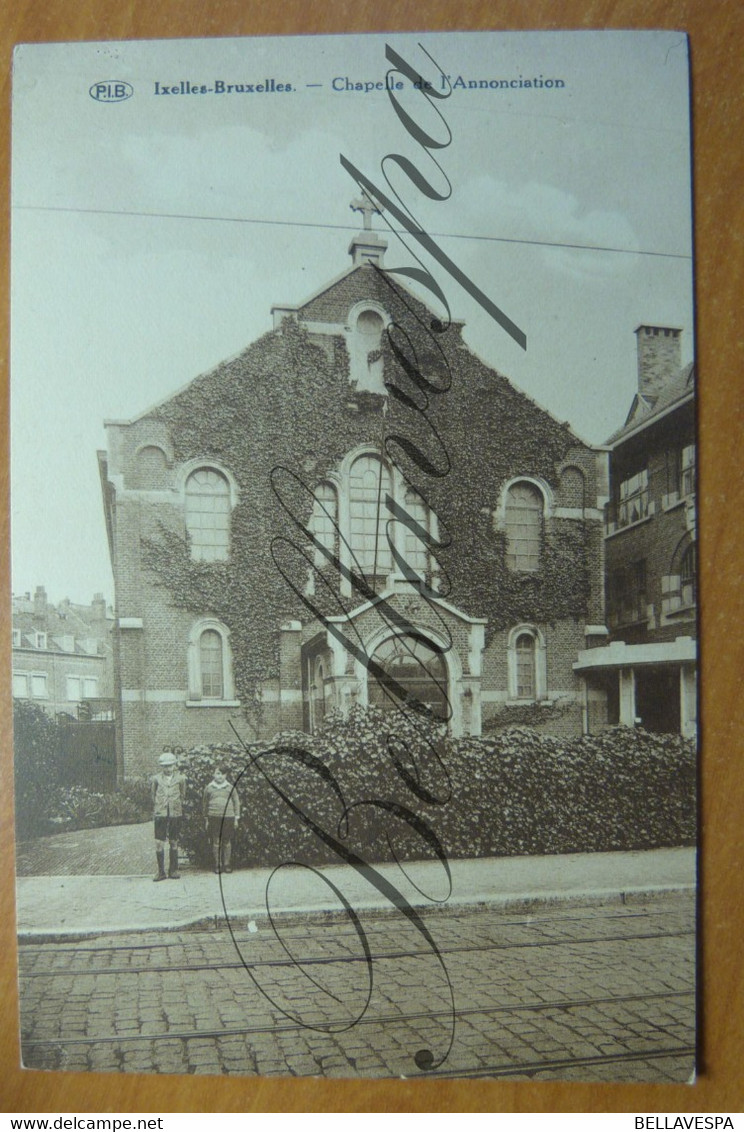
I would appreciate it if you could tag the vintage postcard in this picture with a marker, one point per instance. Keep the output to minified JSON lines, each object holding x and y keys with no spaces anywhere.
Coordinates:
{"x":354,"y":584}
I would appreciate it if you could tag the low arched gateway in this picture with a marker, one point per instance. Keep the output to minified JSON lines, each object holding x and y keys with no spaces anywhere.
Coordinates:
{"x":416,"y":665}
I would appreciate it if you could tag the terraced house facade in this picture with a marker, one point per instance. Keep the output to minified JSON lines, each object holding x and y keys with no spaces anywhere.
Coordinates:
{"x":62,"y":656}
{"x":354,"y":510}
{"x":648,"y":669}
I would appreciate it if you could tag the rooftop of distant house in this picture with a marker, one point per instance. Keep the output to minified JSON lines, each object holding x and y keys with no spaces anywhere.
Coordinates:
{"x":663,"y":383}
{"x":69,"y":627}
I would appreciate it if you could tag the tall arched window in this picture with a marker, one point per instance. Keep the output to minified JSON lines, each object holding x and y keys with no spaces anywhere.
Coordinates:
{"x":365,"y":345}
{"x":369,"y":483}
{"x":323,"y":522}
{"x":369,"y":328}
{"x":416,"y":551}
{"x":679,"y":586}
{"x":210,"y":665}
{"x":418,"y":667}
{"x":524,"y":518}
{"x":208,"y":515}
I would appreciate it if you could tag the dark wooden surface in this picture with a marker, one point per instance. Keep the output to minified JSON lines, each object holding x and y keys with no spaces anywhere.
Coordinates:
{"x":716,"y":28}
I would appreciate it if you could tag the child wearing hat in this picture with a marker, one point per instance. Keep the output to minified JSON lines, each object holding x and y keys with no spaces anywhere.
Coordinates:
{"x":168,"y":791}
{"x":221,"y":808}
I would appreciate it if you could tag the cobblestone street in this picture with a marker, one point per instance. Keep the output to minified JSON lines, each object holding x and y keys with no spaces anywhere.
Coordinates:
{"x":575,"y":990}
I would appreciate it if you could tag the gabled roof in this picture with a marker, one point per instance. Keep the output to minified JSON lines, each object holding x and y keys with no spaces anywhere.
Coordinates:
{"x":67,"y":619}
{"x":644,"y":411}
{"x":331,"y":302}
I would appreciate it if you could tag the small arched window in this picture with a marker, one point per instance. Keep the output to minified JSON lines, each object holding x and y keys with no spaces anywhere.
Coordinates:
{"x":527,"y":664}
{"x":369,"y":328}
{"x":526,"y":676}
{"x":208,"y":515}
{"x":210,"y":665}
{"x":524,"y":521}
{"x":150,"y":471}
{"x":210,"y":675}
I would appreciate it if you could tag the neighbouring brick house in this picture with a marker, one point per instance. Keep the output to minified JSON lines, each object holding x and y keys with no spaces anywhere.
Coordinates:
{"x":648,"y":669}
{"x":289,"y":535}
{"x":63,"y":655}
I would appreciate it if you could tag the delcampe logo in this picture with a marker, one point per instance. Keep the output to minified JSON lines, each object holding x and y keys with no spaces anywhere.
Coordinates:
{"x":111,"y":90}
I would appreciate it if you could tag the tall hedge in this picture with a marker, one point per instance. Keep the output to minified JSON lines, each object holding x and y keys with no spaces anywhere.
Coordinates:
{"x":312,"y":798}
{"x":35,"y":737}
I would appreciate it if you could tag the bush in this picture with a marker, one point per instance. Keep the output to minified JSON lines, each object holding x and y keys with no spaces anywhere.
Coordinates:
{"x":384,"y":786}
{"x":67,"y":808}
{"x":73,"y":807}
{"x":135,"y":796}
{"x":620,"y":790}
{"x":349,"y":760}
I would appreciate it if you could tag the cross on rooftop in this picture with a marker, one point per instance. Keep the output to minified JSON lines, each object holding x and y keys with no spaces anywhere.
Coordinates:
{"x":365,"y":205}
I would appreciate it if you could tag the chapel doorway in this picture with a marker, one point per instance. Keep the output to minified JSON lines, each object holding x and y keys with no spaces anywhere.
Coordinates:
{"x":417,"y":669}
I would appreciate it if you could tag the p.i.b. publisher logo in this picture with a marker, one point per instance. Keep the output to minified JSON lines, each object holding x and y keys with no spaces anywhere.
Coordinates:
{"x":111,"y":90}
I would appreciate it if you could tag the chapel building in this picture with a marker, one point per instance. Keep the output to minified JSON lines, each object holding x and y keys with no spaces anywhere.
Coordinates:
{"x":355,"y":509}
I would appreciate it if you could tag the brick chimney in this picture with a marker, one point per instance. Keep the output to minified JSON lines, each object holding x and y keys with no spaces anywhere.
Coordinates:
{"x":659,"y":358}
{"x":40,"y":603}
{"x":98,"y":608}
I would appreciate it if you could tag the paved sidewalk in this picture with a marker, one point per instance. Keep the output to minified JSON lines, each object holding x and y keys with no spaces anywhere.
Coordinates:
{"x":120,"y":850}
{"x":55,"y":906}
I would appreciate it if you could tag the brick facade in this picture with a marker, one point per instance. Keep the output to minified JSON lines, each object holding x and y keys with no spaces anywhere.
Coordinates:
{"x":63,"y":655}
{"x":648,"y":669}
{"x":309,"y":398}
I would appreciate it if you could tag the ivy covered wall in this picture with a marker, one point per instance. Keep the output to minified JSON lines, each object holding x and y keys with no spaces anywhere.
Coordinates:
{"x":286,"y":401}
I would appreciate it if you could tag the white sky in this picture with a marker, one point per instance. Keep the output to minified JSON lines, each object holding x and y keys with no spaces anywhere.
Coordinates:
{"x":114,"y":310}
